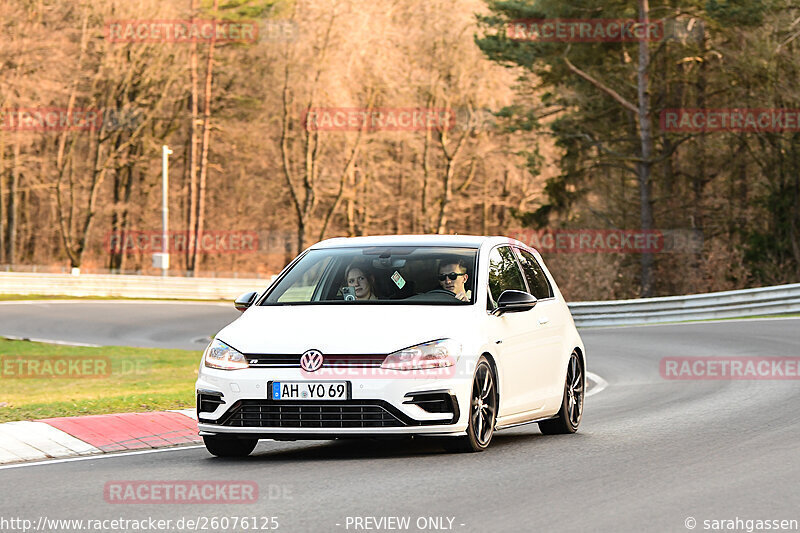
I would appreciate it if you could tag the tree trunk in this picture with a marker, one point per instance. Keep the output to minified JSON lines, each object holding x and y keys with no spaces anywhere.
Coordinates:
{"x":399,"y":205}
{"x":347,"y":175}
{"x":485,"y":205}
{"x":12,"y":207}
{"x":646,"y":137}
{"x":27,"y":238}
{"x":351,"y":208}
{"x":201,"y":193}
{"x":64,"y":162}
{"x":98,"y":175}
{"x":286,"y":155}
{"x":126,"y":213}
{"x":192,"y":204}
{"x":114,"y":258}
{"x":123,"y":184}
{"x":699,"y":163}
{"x":426,"y":172}
{"x":301,"y":235}
{"x":447,"y":195}
{"x":449,"y":171}
{"x":503,"y":207}
{"x":365,"y":219}
{"x":794,"y":214}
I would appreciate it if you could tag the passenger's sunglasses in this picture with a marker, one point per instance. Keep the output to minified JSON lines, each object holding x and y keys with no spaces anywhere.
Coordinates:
{"x":451,"y":275}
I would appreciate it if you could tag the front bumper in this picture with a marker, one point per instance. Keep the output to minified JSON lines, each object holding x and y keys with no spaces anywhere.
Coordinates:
{"x":431,"y":402}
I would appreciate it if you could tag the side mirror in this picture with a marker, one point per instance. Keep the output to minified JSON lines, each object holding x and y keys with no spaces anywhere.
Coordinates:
{"x":514,"y":302}
{"x":243,"y":302}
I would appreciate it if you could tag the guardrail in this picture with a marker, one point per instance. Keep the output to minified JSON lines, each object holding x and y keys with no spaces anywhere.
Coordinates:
{"x":777,"y":300}
{"x":121,"y":286}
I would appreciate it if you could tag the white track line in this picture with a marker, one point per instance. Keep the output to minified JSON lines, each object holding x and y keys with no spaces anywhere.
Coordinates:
{"x":106,"y":456}
{"x":48,"y":341}
{"x":694,"y":322}
{"x":601,"y":384}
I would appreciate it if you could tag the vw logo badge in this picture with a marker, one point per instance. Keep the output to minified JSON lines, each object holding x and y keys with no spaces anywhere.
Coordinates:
{"x":311,"y":361}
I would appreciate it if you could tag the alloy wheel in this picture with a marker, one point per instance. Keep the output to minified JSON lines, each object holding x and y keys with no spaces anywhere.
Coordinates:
{"x":484,"y":404}
{"x":574,"y":391}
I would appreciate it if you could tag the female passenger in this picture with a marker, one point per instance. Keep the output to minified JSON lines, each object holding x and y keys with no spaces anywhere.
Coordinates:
{"x":362,"y":281}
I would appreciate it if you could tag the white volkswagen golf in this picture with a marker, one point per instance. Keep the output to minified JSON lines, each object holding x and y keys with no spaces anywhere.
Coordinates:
{"x":454,"y":336}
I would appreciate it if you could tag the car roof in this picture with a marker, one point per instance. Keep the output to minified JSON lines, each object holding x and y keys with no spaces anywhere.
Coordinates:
{"x":466,"y":241}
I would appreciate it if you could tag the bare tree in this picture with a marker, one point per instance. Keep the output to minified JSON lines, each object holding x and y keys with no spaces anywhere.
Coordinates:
{"x":192,"y":162}
{"x":206,"y":140}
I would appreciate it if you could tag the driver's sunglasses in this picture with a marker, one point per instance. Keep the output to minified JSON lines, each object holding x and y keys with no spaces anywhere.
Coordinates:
{"x":451,"y":275}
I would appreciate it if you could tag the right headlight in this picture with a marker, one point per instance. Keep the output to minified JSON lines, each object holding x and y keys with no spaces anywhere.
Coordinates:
{"x":220,"y":355}
{"x":434,"y":354}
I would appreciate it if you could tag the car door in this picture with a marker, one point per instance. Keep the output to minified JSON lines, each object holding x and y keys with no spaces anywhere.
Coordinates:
{"x":514,"y":335}
{"x":545,"y":356}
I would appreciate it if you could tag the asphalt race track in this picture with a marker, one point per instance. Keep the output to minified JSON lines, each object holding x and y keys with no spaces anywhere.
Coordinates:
{"x":650,"y":455}
{"x":185,"y":325}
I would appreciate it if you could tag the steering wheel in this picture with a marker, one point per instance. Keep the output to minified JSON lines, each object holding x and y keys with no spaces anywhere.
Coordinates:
{"x":442,"y":291}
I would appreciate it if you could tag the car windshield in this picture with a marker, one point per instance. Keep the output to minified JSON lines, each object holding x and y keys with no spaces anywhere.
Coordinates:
{"x":424,"y":275}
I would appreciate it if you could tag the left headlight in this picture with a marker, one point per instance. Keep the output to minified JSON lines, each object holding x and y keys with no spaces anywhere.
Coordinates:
{"x":434,"y":354}
{"x":220,"y":355}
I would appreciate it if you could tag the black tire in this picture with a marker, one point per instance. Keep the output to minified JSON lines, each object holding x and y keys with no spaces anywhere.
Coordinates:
{"x":229,"y":447}
{"x":569,"y":416}
{"x":482,"y":412}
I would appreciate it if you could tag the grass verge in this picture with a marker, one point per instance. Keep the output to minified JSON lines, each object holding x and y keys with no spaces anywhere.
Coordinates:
{"x":39,"y":380}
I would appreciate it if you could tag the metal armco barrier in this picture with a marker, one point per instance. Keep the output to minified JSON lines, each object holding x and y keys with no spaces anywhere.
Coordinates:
{"x":122,"y":286}
{"x":778,"y":300}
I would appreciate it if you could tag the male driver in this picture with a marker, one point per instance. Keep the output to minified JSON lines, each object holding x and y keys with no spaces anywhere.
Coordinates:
{"x":453,"y":276}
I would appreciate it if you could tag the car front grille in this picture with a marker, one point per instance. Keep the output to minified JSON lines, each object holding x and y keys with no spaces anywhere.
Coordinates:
{"x":305,"y":414}
{"x":329,"y":360}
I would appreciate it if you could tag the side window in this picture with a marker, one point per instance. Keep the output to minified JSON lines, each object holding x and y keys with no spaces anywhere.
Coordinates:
{"x":504,"y":274}
{"x":300,"y":284}
{"x":537,"y":280}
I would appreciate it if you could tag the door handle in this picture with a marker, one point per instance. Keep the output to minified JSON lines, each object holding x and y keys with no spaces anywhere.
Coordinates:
{"x":543,"y":320}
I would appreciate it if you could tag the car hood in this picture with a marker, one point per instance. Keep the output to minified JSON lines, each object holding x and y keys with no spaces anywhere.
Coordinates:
{"x":344,"y":329}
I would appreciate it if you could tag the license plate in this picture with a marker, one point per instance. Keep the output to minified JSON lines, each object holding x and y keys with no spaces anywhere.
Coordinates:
{"x":309,"y":390}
